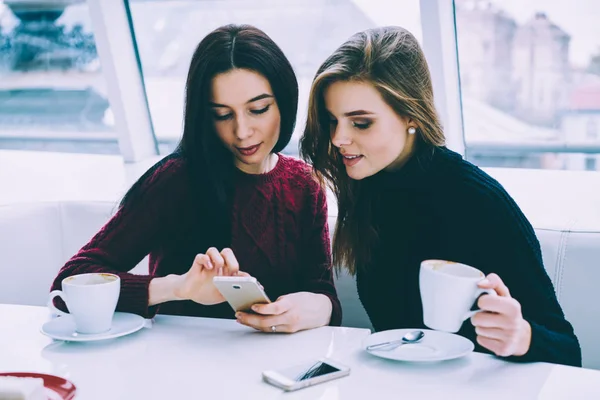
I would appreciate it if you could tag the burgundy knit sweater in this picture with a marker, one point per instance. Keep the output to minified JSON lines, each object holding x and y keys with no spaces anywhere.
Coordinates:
{"x":279,"y":234}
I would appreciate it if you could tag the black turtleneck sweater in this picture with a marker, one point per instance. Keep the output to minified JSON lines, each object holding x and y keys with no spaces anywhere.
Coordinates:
{"x":439,"y":206}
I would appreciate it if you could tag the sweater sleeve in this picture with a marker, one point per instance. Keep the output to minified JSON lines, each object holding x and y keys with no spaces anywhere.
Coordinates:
{"x":131,"y":234}
{"x":317,"y":273}
{"x":507,"y":245}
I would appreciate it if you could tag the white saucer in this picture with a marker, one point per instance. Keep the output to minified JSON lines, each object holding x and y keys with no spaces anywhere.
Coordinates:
{"x":63,"y":328}
{"x":435,"y":346}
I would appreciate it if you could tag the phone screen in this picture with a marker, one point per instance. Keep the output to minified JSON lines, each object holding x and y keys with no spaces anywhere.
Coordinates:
{"x":310,"y":370}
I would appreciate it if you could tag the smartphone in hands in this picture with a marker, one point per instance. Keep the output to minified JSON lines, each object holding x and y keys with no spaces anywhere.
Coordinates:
{"x":306,"y":374}
{"x":241,"y":292}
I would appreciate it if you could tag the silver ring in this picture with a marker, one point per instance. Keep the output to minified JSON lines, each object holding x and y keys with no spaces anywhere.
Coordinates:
{"x":273,"y":328}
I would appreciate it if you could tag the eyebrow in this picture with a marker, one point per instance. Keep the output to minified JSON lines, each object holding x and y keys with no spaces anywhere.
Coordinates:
{"x":353,"y":113}
{"x":358,"y":112}
{"x":252,"y":100}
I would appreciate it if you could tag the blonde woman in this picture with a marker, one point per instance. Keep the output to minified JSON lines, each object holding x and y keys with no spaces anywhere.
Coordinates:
{"x":374,"y":135}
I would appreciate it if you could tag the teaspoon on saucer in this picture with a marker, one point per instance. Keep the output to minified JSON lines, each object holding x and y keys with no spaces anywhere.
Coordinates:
{"x":409,"y":338}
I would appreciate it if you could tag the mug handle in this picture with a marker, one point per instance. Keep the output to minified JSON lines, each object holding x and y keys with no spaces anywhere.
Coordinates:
{"x":52,"y":307}
{"x":474,"y":308}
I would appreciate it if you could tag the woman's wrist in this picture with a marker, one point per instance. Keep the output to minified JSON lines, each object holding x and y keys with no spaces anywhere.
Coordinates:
{"x":327,"y":309}
{"x":163,"y":289}
{"x":525,"y":342}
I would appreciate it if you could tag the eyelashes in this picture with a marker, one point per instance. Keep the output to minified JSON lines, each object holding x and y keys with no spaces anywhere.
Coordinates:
{"x":261,"y":111}
{"x":361,"y":125}
{"x":222,"y":117}
{"x":230,"y":115}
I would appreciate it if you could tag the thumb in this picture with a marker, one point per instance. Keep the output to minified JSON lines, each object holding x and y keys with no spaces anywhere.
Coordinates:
{"x":493,"y":281}
{"x":485,"y":283}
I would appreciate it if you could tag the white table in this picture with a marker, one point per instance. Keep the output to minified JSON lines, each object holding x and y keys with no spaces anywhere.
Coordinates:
{"x":189,"y":358}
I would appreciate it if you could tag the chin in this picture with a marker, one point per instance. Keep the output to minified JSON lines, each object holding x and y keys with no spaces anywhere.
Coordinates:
{"x":357,"y":175}
{"x":253,"y":159}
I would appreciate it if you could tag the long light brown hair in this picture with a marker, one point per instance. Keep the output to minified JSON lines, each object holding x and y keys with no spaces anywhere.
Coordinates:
{"x":390,"y":59}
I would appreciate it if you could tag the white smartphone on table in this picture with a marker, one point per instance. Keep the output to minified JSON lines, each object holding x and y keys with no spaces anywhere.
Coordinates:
{"x":241,"y":292}
{"x":306,"y":374}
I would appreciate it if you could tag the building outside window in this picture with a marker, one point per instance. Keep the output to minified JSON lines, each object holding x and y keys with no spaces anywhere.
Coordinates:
{"x":530,"y":71}
{"x":52,"y":90}
{"x":533,"y":73}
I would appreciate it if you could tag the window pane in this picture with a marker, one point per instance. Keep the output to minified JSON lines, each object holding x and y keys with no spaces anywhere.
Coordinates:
{"x":307,"y":31}
{"x":52,"y":92}
{"x":530,"y":81}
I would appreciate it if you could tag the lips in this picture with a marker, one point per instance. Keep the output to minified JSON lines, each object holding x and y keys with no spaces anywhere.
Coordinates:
{"x":248,"y":151}
{"x":351,"y":160}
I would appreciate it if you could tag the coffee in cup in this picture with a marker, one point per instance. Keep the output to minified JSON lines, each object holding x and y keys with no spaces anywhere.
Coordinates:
{"x":449,"y":293}
{"x":91,"y":300}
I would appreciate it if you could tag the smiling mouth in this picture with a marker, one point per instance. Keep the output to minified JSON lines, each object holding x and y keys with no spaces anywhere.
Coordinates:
{"x":352,"y":159}
{"x":248,"y":151}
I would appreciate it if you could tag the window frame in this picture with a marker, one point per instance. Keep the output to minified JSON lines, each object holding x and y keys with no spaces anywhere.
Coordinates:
{"x":440,"y":45}
{"x":128,"y":98}
{"x":115,"y":41}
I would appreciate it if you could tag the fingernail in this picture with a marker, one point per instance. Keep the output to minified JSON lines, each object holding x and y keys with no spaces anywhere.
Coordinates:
{"x":254,"y":308}
{"x":484,"y":282}
{"x":237,"y":315}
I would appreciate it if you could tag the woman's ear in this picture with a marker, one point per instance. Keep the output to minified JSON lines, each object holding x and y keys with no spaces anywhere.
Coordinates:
{"x":411,"y":123}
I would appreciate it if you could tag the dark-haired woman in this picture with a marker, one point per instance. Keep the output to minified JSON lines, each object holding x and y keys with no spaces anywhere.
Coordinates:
{"x":403,"y":197}
{"x":225,"y":201}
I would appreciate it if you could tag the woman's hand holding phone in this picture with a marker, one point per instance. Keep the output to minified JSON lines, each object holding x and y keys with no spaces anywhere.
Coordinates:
{"x":290,"y":313}
{"x":197,"y":284}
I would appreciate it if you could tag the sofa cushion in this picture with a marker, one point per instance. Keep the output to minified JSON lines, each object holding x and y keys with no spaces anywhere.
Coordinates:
{"x":576,"y":285}
{"x":79,"y":223}
{"x":31,"y":250}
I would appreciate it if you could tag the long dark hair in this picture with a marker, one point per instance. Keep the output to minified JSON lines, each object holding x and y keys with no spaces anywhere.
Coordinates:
{"x":390,"y":59}
{"x":210,"y":163}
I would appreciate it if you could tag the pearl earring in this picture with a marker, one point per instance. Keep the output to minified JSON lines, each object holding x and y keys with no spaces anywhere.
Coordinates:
{"x":412,"y":130}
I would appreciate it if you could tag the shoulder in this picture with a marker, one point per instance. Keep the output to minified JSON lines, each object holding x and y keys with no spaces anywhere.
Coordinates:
{"x":480,"y":196}
{"x":172,"y":171}
{"x":168,"y":178}
{"x":473,"y":184}
{"x":470,"y":180}
{"x":166,"y":169}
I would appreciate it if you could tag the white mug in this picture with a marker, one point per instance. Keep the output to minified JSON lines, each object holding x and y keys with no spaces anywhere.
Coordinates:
{"x":449,"y":293}
{"x":91,"y":300}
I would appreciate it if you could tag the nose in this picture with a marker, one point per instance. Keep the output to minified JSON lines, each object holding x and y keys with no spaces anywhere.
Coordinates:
{"x":243,"y":128}
{"x":339,"y":136}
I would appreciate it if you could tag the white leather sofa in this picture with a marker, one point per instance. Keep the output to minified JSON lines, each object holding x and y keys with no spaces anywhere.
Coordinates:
{"x":36,"y":239}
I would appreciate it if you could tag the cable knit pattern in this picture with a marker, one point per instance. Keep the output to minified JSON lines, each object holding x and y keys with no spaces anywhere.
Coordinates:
{"x":439,"y":206}
{"x":279,"y":235}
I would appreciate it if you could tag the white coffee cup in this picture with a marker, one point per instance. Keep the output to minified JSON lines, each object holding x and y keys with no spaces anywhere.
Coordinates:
{"x":91,"y":300}
{"x":449,"y":293}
